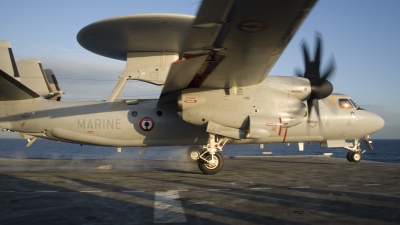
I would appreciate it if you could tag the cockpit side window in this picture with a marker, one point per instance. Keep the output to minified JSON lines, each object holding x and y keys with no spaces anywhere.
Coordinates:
{"x":345,"y":103}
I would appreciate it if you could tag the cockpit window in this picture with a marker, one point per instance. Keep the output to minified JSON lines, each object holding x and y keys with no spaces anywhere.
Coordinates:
{"x":345,"y":103}
{"x":354,"y":104}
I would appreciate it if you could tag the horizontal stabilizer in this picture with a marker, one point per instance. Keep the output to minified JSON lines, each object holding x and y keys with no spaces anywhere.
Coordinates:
{"x":11,"y":89}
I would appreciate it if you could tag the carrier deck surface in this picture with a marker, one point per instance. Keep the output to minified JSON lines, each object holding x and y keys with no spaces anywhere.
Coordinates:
{"x":249,"y":190}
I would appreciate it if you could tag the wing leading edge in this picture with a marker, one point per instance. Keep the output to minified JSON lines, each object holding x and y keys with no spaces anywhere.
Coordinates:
{"x":242,"y":38}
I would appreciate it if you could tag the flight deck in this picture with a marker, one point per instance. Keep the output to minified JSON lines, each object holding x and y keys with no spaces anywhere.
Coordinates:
{"x":249,"y":190}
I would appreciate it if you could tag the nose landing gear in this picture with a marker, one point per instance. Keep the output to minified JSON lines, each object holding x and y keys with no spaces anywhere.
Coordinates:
{"x":354,"y":156}
{"x":355,"y":152}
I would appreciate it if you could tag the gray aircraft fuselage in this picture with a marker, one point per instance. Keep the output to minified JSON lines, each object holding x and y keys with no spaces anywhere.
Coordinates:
{"x":144,"y":123}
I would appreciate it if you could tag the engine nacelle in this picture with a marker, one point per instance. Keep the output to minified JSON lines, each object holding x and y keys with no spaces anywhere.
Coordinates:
{"x":270,"y":126}
{"x":261,"y":110}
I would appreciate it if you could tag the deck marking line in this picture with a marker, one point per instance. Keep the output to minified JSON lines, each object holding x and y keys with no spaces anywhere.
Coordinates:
{"x":133,"y":191}
{"x":90,"y":191}
{"x":338,"y":185}
{"x":260,"y":188}
{"x":301,"y":187}
{"x":167,"y":209}
{"x":218,"y":189}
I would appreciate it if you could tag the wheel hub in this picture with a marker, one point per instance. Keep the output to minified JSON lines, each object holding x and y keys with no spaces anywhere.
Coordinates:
{"x":211,"y":162}
{"x":356,"y":156}
{"x":194,"y":155}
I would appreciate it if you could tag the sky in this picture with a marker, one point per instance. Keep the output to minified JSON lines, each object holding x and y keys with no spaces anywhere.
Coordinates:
{"x":362,"y":35}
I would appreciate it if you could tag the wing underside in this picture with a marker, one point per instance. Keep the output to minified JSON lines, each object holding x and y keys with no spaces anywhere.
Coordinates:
{"x":243,"y":39}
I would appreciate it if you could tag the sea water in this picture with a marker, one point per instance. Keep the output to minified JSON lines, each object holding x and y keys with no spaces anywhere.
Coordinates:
{"x":384,"y":151}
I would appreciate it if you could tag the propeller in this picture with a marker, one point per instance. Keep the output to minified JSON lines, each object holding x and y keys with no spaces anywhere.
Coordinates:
{"x":320,"y":86}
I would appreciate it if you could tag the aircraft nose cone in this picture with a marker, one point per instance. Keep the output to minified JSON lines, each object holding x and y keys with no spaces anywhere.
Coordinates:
{"x":376,"y":123}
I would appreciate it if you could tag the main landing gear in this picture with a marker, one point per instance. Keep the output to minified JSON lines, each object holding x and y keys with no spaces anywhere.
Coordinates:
{"x":355,"y":152}
{"x":210,"y":161}
{"x":193,"y":153}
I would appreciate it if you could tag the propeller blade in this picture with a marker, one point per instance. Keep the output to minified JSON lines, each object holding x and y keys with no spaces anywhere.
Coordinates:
{"x":320,"y":86}
{"x":317,"y":58}
{"x":313,"y":103}
{"x":306,"y":59}
{"x":328,"y":73}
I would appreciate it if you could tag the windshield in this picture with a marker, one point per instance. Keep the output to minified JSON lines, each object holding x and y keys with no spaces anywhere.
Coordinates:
{"x":345,"y":103}
{"x":355,"y":105}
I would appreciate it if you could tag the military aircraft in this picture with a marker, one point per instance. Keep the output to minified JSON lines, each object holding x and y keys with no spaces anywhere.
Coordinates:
{"x":216,"y":90}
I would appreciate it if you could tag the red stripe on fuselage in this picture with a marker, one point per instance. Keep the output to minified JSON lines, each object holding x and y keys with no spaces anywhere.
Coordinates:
{"x":284,"y":137}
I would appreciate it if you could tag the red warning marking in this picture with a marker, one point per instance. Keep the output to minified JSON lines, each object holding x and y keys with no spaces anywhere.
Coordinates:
{"x":22,"y":124}
{"x":280,"y":126}
{"x":296,"y":91}
{"x":252,"y":26}
{"x":90,"y":131}
{"x":273,"y":126}
{"x":284,"y":137}
{"x":190,"y":101}
{"x":146,"y":124}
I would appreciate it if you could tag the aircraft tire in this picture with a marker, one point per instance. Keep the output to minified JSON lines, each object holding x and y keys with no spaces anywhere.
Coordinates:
{"x":193,"y":153}
{"x":355,"y":157}
{"x":211,"y":169}
{"x":348,"y":156}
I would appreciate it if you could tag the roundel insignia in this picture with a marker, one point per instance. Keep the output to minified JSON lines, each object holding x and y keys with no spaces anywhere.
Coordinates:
{"x":146,"y":124}
{"x":252,"y":26}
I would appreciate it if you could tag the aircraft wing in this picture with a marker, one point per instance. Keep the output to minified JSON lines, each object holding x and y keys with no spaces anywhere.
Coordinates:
{"x":242,"y":38}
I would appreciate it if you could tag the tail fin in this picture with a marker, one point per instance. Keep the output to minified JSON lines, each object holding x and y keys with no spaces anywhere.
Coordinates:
{"x":53,"y":84}
{"x":41,"y":81}
{"x":10,"y":87}
{"x":7,"y":62}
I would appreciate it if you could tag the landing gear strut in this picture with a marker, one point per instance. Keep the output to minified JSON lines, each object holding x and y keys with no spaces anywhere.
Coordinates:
{"x":210,"y":160}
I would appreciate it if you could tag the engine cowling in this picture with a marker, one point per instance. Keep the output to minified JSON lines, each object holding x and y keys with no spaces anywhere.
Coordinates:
{"x":258,"y":111}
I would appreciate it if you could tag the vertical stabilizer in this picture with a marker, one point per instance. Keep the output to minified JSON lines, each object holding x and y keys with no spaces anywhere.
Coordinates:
{"x":53,"y":85}
{"x":11,"y":89}
{"x":32,"y":76}
{"x":37,"y":79}
{"x":7,"y":62}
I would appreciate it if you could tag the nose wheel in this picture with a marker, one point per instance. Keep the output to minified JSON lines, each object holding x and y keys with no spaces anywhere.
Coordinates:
{"x":355,"y":152}
{"x":354,"y":156}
